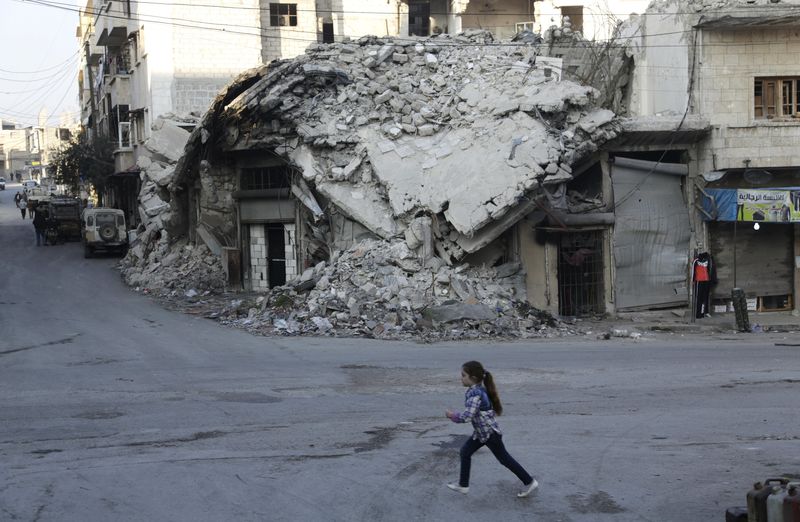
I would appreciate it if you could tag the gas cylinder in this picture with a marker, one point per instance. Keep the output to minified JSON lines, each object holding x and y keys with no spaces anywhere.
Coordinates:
{"x":775,"y":502}
{"x":791,"y":505}
{"x":757,"y":499}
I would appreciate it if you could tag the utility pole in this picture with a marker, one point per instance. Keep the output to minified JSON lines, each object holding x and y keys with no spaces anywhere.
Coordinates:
{"x":91,"y":87}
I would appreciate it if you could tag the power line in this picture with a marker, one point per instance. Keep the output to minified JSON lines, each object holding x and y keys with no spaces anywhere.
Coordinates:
{"x":61,"y":64}
{"x":175,"y":21}
{"x":44,"y":78}
{"x":445,"y":13}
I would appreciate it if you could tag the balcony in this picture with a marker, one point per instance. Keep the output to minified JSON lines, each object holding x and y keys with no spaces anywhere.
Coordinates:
{"x":95,"y":53}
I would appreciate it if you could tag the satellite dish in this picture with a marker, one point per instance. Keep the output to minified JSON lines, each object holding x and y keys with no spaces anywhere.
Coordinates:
{"x":757,"y":176}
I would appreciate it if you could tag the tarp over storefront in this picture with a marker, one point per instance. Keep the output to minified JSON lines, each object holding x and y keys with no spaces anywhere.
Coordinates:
{"x":771,"y":205}
{"x":651,"y":234}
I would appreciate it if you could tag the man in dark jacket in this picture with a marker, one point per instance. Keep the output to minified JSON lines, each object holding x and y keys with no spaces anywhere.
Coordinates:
{"x":40,"y":224}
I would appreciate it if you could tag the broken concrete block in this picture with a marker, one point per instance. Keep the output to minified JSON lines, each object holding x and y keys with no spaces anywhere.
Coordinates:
{"x":459,"y":312}
{"x":383,"y":53}
{"x":400,"y":58}
{"x":364,"y":205}
{"x":153,"y":205}
{"x":351,"y":167}
{"x":597,"y":118}
{"x":384,"y":96}
{"x":167,"y":140}
{"x":426,"y":130}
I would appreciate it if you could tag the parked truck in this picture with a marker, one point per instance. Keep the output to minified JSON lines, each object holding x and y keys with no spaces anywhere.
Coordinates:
{"x":65,"y":213}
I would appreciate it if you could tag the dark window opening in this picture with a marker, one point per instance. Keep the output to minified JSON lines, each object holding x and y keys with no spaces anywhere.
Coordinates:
{"x":265,"y":178}
{"x":327,"y":32}
{"x":283,"y":15}
{"x":419,"y":18}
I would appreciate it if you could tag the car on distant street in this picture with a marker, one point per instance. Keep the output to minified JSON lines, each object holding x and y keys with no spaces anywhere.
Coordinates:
{"x":29,"y":184}
{"x":103,"y":229}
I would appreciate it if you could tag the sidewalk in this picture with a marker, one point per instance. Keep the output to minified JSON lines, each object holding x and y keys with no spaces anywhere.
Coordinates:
{"x":679,"y":321}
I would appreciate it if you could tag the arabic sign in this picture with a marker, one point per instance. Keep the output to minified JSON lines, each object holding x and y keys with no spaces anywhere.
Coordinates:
{"x":776,"y":205}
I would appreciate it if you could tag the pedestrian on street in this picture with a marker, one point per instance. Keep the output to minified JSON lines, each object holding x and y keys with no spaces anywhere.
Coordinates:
{"x":482,"y":404}
{"x":23,"y":206}
{"x":17,"y":198}
{"x":31,"y":208}
{"x":40,"y":225}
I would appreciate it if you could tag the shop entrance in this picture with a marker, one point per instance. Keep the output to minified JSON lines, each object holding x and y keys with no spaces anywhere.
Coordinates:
{"x":580,"y":273}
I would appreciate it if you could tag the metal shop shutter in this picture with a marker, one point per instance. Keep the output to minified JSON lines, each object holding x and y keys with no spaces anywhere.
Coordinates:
{"x":764,"y":258}
{"x":651,"y":234}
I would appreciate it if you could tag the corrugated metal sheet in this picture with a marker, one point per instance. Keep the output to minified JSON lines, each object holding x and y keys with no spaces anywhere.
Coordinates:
{"x":651,"y":235}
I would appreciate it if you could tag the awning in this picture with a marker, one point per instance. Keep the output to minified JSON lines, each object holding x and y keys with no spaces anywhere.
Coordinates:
{"x":755,"y":16}
{"x":114,"y":38}
{"x":768,"y":205}
{"x":672,"y":130}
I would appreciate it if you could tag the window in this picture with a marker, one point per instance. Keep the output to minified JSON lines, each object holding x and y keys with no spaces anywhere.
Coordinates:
{"x":265,"y":178}
{"x":776,"y":98}
{"x":575,"y":13}
{"x":524,"y":26}
{"x":281,"y":15}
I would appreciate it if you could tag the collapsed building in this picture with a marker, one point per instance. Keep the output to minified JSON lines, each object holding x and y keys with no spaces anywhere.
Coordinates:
{"x":432,"y":159}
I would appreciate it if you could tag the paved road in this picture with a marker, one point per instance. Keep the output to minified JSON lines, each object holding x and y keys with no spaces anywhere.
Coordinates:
{"x":113,"y":409}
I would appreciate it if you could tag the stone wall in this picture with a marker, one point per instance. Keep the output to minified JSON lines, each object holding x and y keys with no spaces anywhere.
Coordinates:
{"x":724,"y":92}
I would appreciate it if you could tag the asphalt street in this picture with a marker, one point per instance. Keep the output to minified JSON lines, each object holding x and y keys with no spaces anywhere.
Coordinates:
{"x":114,"y":409}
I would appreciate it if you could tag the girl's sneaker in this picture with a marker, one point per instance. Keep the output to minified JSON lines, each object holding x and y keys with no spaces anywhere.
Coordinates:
{"x":460,"y":489}
{"x":528,"y":489}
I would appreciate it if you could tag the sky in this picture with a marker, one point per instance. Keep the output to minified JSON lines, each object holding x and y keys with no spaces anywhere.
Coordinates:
{"x":38,"y":61}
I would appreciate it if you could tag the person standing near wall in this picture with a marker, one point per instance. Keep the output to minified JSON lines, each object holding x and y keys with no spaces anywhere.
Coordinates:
{"x":704,"y":275}
{"x":40,"y":226}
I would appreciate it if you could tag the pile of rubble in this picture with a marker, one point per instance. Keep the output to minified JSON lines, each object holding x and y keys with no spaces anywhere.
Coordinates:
{"x":181,"y":268}
{"x":390,"y":129}
{"x":378,"y":289}
{"x":156,"y":260}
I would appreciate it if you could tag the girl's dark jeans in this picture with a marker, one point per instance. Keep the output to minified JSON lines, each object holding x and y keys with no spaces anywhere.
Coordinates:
{"x":498,"y":449}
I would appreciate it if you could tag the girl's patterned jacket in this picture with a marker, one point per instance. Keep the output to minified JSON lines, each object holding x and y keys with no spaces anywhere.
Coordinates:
{"x":478,"y":409}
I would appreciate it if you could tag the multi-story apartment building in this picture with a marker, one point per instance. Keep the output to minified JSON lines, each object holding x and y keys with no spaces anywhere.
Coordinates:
{"x":26,"y":151}
{"x":144,"y":60}
{"x":734,"y":67}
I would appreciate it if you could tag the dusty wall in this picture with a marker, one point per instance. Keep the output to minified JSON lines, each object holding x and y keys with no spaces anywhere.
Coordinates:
{"x":355,"y":18}
{"x":218,"y":181}
{"x":662,"y":62}
{"x":181,"y":68}
{"x":288,"y":41}
{"x":599,"y":17}
{"x":731,"y":60}
{"x":540,"y":262}
{"x":497,"y":16}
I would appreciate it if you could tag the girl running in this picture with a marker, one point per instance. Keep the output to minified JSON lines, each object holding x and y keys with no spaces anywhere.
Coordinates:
{"x":482,"y":403}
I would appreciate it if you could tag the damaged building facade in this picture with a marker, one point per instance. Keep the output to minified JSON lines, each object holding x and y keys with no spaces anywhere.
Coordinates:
{"x":728,"y":64}
{"x":578,"y":185}
{"x":487,"y":159}
{"x":449,"y":150}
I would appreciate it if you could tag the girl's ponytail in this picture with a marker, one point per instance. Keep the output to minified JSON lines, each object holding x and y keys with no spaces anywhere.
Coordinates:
{"x":478,"y":374}
{"x":491,"y":390}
